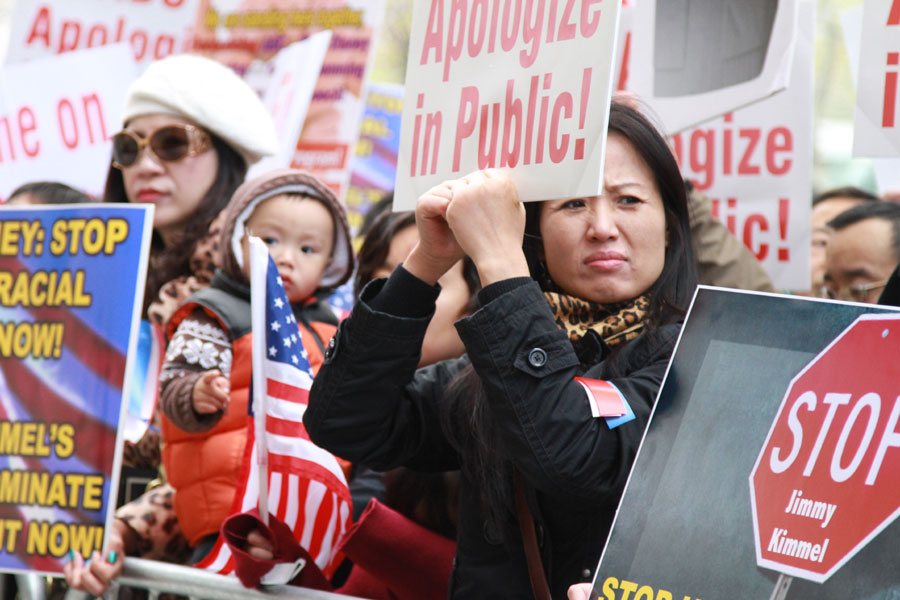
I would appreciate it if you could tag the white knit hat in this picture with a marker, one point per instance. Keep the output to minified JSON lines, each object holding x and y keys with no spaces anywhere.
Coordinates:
{"x":209,"y":94}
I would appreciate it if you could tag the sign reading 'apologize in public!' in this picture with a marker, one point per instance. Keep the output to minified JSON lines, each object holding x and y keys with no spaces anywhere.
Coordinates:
{"x":519,"y":85}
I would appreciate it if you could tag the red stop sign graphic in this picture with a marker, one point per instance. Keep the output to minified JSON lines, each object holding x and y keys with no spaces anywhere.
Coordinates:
{"x":825,"y":481}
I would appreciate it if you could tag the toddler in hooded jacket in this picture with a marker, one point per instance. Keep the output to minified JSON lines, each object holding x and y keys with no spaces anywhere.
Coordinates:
{"x":205,"y":381}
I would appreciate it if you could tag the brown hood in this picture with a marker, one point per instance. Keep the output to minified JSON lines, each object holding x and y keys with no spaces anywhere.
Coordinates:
{"x":281,"y":181}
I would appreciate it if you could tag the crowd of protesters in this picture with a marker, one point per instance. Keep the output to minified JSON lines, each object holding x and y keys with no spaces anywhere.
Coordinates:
{"x":453,"y":396}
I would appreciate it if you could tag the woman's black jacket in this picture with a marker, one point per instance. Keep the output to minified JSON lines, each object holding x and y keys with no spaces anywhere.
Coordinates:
{"x":369,"y":404}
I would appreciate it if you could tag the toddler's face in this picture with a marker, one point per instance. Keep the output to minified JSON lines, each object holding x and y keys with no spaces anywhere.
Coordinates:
{"x":299,"y":233}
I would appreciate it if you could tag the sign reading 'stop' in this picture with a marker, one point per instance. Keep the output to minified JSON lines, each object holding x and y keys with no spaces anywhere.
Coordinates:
{"x":825,"y":481}
{"x":522,"y":85}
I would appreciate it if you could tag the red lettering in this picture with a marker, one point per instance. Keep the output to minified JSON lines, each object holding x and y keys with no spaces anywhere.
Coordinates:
{"x":434,"y":33}
{"x":894,"y":15}
{"x":9,"y":140}
{"x":87,"y":102}
{"x":487,"y":153}
{"x":531,"y":32}
{"x":889,"y":102}
{"x":623,"y":68}
{"x":773,"y":146}
{"x":95,"y":30}
{"x":707,"y":165}
{"x":726,"y":147}
{"x":67,"y":26}
{"x":552,"y":20}
{"x":165,"y":45}
{"x":433,"y":123}
{"x":138,"y":37}
{"x":27,"y":124}
{"x":468,"y":98}
{"x":588,"y":24}
{"x":677,"y":148}
{"x":559,"y":145}
{"x":512,"y":109}
{"x":756,"y":221}
{"x":752,"y":136}
{"x":508,"y":36}
{"x":40,"y":29}
{"x":479,"y":7}
{"x":566,"y":26}
{"x":457,"y":25}
{"x":70,"y":138}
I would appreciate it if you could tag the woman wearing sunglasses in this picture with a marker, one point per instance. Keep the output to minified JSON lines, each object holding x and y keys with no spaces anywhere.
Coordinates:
{"x":191,"y":129}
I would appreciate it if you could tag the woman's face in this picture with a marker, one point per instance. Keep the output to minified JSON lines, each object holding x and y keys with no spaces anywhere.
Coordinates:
{"x":177,"y":188}
{"x":441,"y":339}
{"x":608,"y":248}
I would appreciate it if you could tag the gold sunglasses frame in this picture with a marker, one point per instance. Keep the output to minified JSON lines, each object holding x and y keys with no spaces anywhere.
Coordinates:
{"x":199,"y":141}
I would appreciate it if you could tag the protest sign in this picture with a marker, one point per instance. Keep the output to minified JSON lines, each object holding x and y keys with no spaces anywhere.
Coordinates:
{"x":67,"y":336}
{"x":152,"y":28}
{"x":375,"y":159}
{"x":244,"y":35}
{"x":887,"y":170}
{"x":57,"y":115}
{"x":876,"y":123}
{"x":756,"y":166}
{"x":814,"y":506}
{"x":694,"y":60}
{"x":522,"y":86}
{"x":289,"y":89}
{"x":685,"y":524}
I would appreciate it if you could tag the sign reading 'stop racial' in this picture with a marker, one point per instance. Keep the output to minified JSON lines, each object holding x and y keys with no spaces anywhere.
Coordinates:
{"x":519,"y":85}
{"x":67,"y":338}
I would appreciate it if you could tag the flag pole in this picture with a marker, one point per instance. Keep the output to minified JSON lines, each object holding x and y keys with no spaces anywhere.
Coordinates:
{"x":259,"y":263}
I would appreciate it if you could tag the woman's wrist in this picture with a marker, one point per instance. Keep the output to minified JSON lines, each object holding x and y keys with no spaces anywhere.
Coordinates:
{"x":425,"y":267}
{"x":500,"y":266}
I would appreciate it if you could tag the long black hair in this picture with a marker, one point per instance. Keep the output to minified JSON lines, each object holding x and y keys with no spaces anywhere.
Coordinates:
{"x":167,"y":264}
{"x":466,"y":421}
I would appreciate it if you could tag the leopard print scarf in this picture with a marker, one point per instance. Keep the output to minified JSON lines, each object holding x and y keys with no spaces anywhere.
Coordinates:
{"x":615,"y":323}
{"x":203,"y":263}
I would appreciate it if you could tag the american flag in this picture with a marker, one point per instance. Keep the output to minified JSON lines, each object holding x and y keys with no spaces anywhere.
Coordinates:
{"x":306,"y":487}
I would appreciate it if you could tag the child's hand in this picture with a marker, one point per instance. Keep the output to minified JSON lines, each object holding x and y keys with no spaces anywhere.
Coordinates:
{"x":258,"y":546}
{"x":211,"y":393}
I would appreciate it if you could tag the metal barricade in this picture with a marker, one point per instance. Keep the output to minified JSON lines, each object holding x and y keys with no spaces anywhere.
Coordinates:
{"x":157,"y":577}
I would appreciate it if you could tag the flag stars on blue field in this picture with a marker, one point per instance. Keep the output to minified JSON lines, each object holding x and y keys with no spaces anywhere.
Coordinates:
{"x":290,"y":350}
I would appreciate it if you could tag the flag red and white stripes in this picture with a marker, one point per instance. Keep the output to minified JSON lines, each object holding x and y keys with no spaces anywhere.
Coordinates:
{"x":306,"y":487}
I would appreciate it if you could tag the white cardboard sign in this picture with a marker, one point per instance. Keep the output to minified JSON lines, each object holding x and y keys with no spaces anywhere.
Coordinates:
{"x":695,"y":60}
{"x":295,"y":71}
{"x":57,"y":115}
{"x":521,"y":85}
{"x":756,"y":166}
{"x":153,"y":28}
{"x":876,"y":124}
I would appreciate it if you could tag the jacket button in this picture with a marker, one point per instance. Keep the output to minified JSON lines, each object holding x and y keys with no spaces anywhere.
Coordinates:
{"x":537,"y":357}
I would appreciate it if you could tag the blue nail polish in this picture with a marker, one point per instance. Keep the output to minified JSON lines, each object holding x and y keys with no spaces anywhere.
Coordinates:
{"x":70,"y":556}
{"x":111,"y":558}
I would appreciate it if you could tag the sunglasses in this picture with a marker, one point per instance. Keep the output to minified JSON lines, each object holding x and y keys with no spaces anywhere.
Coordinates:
{"x":169,"y":143}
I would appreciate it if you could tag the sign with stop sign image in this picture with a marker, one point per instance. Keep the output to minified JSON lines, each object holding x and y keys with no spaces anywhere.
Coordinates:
{"x":769,"y":468}
{"x":825,"y":481}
